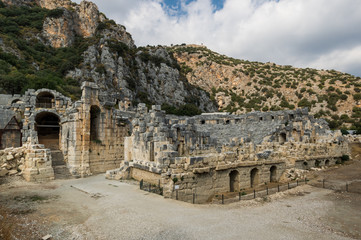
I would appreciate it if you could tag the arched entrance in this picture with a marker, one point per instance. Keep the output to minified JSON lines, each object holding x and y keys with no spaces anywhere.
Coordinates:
{"x":45,"y":100}
{"x":327,"y":162}
{"x":282,"y":138}
{"x":254,"y":177}
{"x":234,"y":181}
{"x":305,"y":165}
{"x":273,"y":174}
{"x":94,"y":123}
{"x":48,"y":128}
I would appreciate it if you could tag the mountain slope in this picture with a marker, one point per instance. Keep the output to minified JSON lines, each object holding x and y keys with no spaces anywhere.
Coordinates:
{"x":241,"y":86}
{"x":58,"y":44}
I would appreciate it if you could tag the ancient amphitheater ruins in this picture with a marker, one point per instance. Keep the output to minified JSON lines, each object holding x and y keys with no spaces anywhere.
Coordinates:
{"x":45,"y":135}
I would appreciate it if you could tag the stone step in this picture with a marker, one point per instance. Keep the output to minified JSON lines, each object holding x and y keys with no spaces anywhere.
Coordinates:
{"x":62,"y":172}
{"x":57,"y":158}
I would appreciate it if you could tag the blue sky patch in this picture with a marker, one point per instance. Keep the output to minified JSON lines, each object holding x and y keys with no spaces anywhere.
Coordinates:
{"x":174,"y":7}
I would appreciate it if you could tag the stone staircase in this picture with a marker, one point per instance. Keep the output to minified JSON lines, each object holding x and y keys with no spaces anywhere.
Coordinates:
{"x":59,"y":165}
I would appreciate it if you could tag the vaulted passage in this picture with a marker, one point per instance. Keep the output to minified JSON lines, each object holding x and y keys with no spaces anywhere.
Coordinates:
{"x":273,"y":174}
{"x":48,"y":128}
{"x":254,"y":177}
{"x":94,"y":123}
{"x":234,"y":181}
{"x":282,"y":138}
{"x":45,"y":100}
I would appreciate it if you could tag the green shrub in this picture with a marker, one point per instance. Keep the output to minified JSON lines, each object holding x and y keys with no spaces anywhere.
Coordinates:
{"x":345,"y":158}
{"x":55,"y":13}
{"x":304,"y":103}
{"x":344,"y":131}
{"x":118,"y":47}
{"x":101,"y":26}
{"x":357,"y":96}
{"x":100,"y":68}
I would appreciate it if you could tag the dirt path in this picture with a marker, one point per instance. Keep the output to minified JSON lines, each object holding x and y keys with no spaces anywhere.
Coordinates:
{"x":96,"y":208}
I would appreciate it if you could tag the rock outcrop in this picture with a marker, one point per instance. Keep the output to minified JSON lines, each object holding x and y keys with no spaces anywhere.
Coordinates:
{"x":78,"y":20}
{"x":150,"y":76}
{"x":52,"y":4}
{"x":111,"y":59}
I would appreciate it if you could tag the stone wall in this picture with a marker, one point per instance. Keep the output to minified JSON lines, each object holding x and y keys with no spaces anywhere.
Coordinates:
{"x":38,"y":167}
{"x":89,"y":133}
{"x":215,"y":153}
{"x":149,"y":177}
{"x":33,"y":162}
{"x":93,"y":146}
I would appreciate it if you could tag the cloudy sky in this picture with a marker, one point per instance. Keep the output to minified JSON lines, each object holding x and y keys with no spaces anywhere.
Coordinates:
{"x":323,"y":34}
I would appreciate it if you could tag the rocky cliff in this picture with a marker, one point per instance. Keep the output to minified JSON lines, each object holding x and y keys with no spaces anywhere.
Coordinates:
{"x":58,"y":44}
{"x":104,"y":53}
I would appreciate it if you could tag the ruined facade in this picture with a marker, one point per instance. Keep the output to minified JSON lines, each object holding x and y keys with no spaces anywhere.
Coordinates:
{"x":214,"y":153}
{"x":80,"y":138}
{"x":205,"y":154}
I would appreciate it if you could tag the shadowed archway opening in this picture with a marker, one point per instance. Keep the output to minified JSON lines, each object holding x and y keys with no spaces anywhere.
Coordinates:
{"x":94,"y":123}
{"x":254,"y":177}
{"x":273,"y":174}
{"x":282,"y":138}
{"x":305,"y":165}
{"x":234,"y":181}
{"x":48,"y":128}
{"x":45,"y":100}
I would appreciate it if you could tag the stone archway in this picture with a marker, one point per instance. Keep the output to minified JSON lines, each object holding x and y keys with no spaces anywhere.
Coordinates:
{"x":234,"y":181}
{"x":273,"y":174}
{"x":254,"y":177}
{"x":94,"y":123}
{"x":282,"y":138}
{"x":48,"y":128}
{"x":306,"y":166}
{"x":45,"y":100}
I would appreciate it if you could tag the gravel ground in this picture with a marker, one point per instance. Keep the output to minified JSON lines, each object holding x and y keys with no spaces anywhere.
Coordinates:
{"x":96,"y":208}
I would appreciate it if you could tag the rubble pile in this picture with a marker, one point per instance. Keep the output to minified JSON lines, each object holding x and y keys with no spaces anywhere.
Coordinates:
{"x":293,"y":174}
{"x":12,"y":161}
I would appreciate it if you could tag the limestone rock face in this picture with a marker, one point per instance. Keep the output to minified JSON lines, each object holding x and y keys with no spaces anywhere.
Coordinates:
{"x":121,"y":71}
{"x":88,"y":18}
{"x":52,"y":4}
{"x":240,"y":86}
{"x":59,"y":31}
{"x":81,"y":20}
{"x":138,"y":79}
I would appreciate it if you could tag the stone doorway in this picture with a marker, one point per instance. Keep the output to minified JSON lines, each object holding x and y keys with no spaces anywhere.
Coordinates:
{"x":94,"y":123}
{"x":254,"y":177}
{"x":48,"y":128}
{"x":282,"y":138}
{"x":234,"y":181}
{"x":273,"y":174}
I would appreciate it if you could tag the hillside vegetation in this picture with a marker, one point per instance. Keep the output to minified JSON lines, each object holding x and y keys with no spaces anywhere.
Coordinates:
{"x":240,"y":86}
{"x":60,"y":48}
{"x":26,"y":62}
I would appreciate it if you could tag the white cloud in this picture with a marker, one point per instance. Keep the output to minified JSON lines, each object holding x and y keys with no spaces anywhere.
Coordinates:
{"x":306,"y":33}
